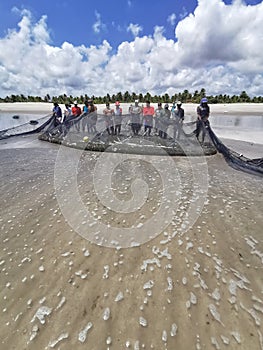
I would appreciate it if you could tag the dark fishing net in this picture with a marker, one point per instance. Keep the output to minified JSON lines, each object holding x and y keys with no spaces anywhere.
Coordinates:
{"x":236,"y":160}
{"x":92,"y":132}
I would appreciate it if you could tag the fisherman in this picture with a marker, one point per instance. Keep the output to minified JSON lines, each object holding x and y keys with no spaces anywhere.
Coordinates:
{"x":67,"y":112}
{"x":66,"y":119}
{"x":166,"y":120}
{"x":57,"y":114}
{"x":117,"y":118}
{"x":76,"y":112}
{"x":108,"y":115}
{"x":203,"y":112}
{"x":93,"y":116}
{"x":136,"y":112}
{"x":85,"y":119}
{"x":148,"y":112}
{"x":178,"y":118}
{"x":158,"y":117}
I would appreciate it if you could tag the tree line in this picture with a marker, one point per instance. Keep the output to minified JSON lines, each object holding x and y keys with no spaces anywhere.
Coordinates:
{"x":127,"y":97}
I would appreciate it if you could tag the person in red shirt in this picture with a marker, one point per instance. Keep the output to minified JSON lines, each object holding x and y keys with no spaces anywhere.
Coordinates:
{"x":148,"y":112}
{"x":76,"y":111}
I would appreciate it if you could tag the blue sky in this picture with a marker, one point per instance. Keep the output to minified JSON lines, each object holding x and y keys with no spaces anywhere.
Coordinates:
{"x":73,"y":20}
{"x":157,"y":46}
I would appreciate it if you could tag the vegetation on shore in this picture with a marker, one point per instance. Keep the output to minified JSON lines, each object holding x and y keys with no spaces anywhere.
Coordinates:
{"x":128,"y":97}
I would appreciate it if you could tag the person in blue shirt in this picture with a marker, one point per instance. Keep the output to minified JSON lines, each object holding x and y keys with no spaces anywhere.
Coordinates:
{"x":57,"y":114}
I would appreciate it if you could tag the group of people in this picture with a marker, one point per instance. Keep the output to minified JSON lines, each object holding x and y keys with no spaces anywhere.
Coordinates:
{"x":151,"y":120}
{"x":158,"y":119}
{"x":113,"y":118}
{"x":88,"y":114}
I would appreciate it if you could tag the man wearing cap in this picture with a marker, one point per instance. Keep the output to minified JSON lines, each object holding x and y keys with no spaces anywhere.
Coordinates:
{"x":203,"y":112}
{"x":178,"y":115}
{"x":117,"y":118}
{"x":136,"y":112}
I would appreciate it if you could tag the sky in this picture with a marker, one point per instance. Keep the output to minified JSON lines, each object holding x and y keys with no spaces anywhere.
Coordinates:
{"x":98,"y":47}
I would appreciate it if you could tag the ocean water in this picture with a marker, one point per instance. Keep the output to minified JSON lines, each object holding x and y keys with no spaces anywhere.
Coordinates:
{"x":247,"y":128}
{"x":7,"y":121}
{"x":244,"y":128}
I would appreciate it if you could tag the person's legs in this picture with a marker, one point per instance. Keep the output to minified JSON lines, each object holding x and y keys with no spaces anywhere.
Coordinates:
{"x":149,"y":130}
{"x":179,"y":131}
{"x":198,"y":128}
{"x":165,"y":133}
{"x":175,"y":131}
{"x":134,"y":129}
{"x":77,"y":125}
{"x":203,"y":132}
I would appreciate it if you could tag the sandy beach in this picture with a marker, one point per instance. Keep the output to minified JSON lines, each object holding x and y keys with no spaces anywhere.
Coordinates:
{"x":194,"y":283}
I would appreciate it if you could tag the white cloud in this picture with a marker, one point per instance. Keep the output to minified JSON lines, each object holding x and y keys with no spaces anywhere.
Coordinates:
{"x":171,"y":19}
{"x":135,"y":29}
{"x":218,"y":47}
{"x":129,"y":2}
{"x":184,"y":13}
{"x":98,"y":26}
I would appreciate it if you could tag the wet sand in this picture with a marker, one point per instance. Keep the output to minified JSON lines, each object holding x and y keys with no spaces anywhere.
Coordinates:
{"x":199,"y":289}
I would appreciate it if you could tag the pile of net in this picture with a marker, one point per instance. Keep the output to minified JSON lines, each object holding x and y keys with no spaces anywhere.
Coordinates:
{"x":236,"y":160}
{"x":91,"y":132}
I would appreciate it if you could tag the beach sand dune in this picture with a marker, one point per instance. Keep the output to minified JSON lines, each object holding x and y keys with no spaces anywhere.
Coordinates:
{"x":200,"y":289}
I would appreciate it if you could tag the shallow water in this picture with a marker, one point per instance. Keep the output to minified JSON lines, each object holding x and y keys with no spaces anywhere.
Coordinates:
{"x":7,"y":121}
{"x":243,"y":122}
{"x":239,"y":122}
{"x":244,"y":128}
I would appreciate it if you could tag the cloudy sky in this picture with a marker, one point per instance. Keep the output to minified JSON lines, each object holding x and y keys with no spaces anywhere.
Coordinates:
{"x":99,"y":47}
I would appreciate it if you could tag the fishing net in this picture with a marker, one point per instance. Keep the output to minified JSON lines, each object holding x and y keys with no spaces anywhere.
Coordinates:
{"x":92,"y":132}
{"x":236,"y":160}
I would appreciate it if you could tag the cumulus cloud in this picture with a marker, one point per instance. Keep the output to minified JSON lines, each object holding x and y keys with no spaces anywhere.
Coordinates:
{"x":135,"y":29}
{"x":218,"y":47}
